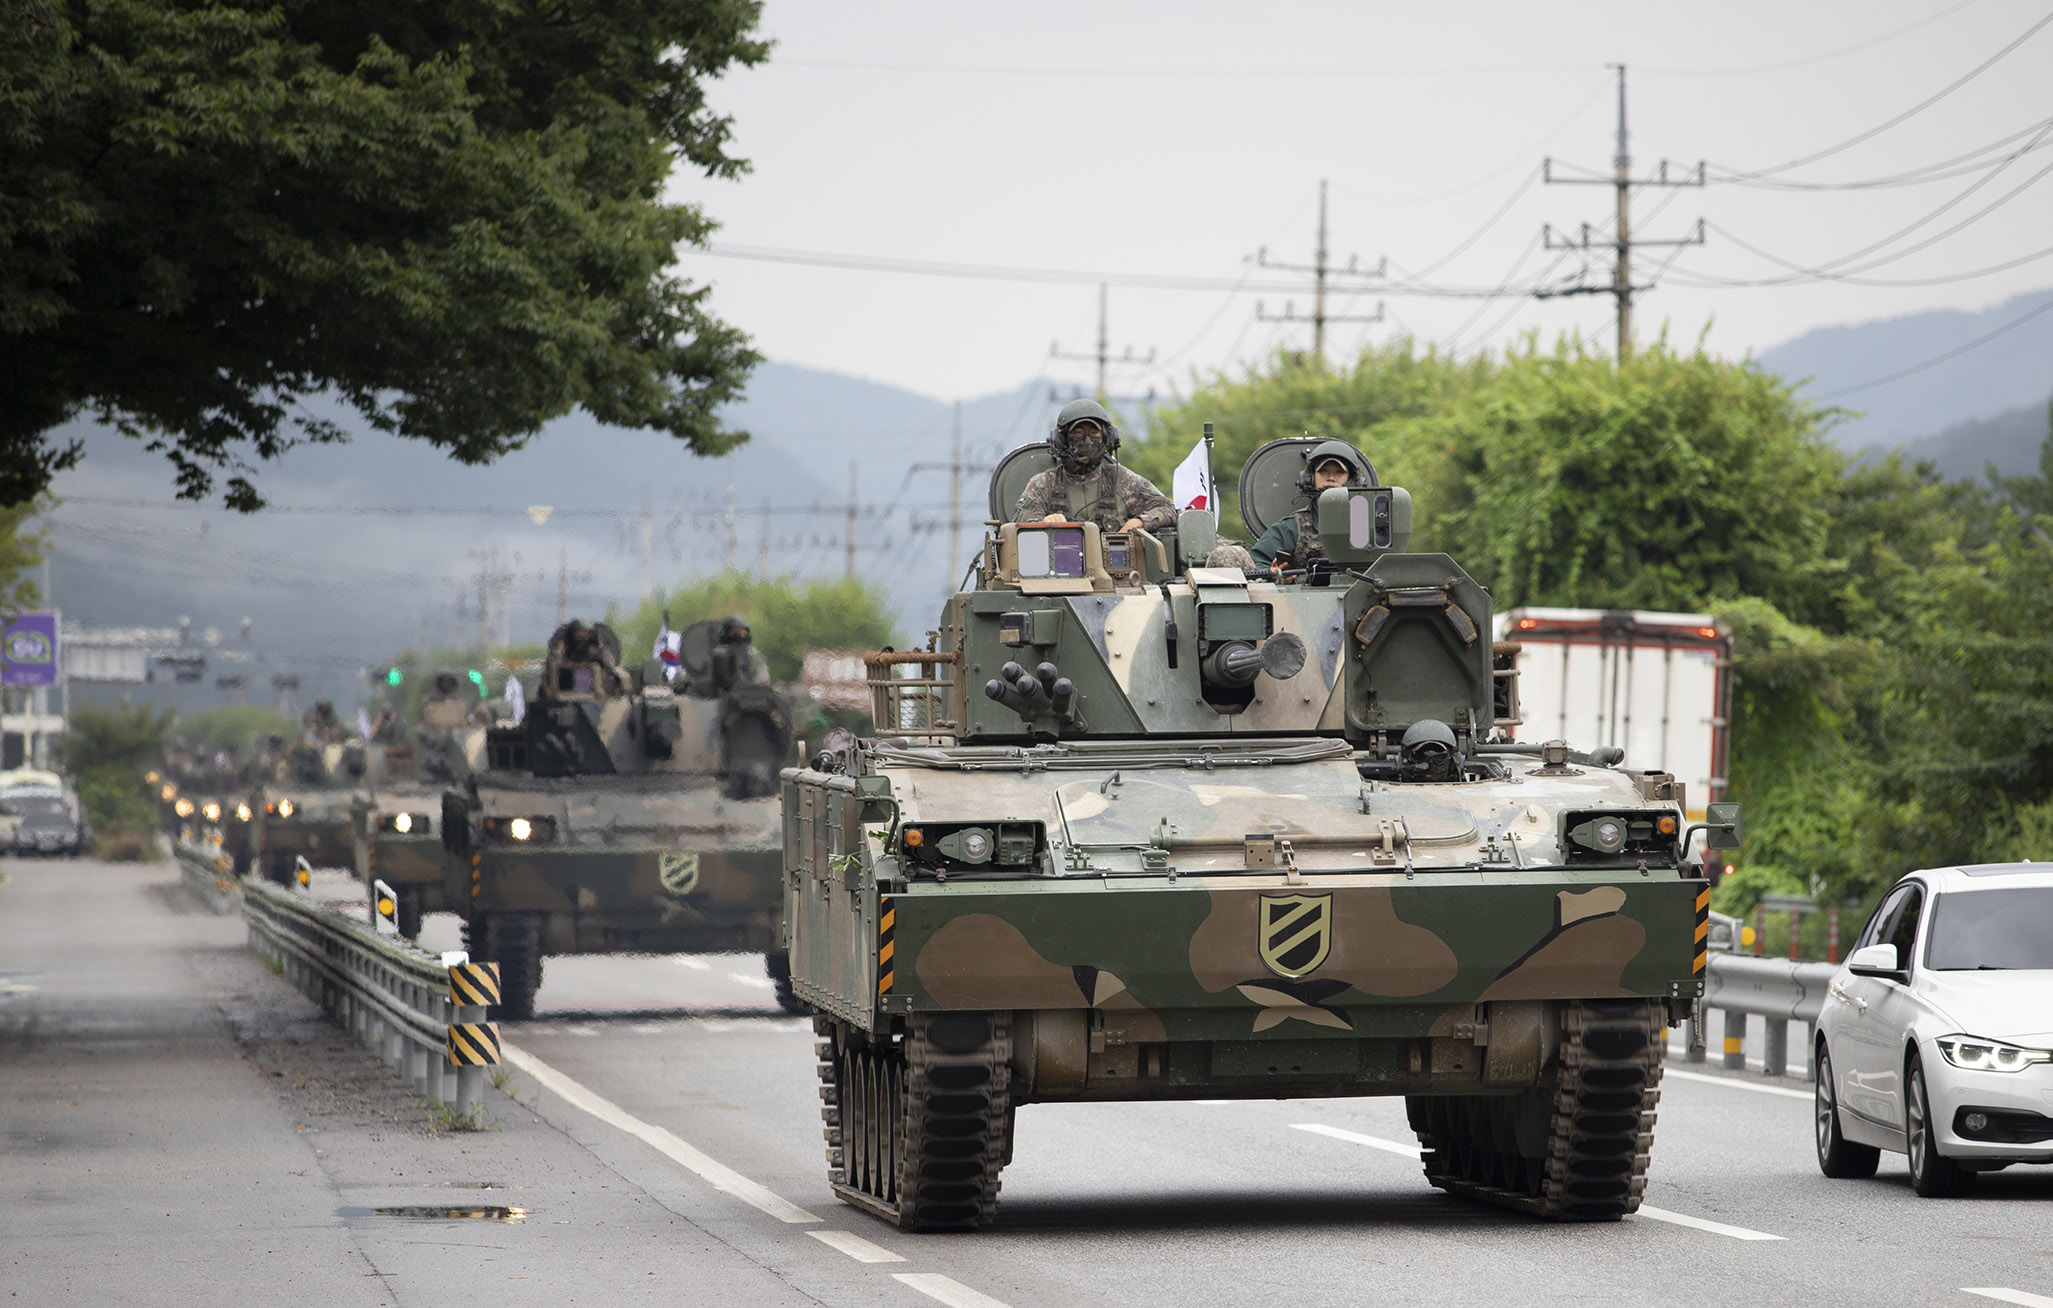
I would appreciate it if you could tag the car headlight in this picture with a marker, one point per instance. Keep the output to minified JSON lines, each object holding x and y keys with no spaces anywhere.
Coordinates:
{"x":285,"y":808}
{"x":1979,"y":1055}
{"x":402,"y":822}
{"x":520,"y":828}
{"x":406,"y":824}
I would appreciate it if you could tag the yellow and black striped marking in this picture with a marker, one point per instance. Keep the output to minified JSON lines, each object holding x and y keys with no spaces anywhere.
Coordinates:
{"x":474,"y":983}
{"x":476,"y":883}
{"x":1703,"y":930}
{"x":474,"y":1044}
{"x":887,"y":918}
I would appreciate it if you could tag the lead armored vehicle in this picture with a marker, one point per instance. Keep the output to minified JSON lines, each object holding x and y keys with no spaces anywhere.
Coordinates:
{"x":625,"y":811}
{"x":395,"y":819}
{"x":1138,"y":828}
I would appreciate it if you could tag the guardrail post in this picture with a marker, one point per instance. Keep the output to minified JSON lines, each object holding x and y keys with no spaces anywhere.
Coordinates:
{"x":473,"y":1042}
{"x":1735,"y":1040}
{"x":1775,"y":1048}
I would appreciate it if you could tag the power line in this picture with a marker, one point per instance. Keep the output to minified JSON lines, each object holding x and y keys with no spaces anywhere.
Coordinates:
{"x":1808,"y":60}
{"x":1935,"y":361}
{"x":1906,"y":115}
{"x":1320,"y":271}
{"x":1959,"y":165}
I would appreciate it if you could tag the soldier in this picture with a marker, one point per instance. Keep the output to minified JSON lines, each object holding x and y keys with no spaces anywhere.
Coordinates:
{"x":735,"y":661}
{"x":323,"y":725}
{"x":576,"y":643}
{"x":1293,"y":541}
{"x":1087,"y":484}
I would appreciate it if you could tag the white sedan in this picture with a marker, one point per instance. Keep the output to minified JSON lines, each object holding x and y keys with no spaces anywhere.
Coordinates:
{"x":1936,"y":1038}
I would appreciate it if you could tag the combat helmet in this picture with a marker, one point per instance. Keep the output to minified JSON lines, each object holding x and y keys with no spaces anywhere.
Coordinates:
{"x":1081,"y":457}
{"x":1359,"y":472}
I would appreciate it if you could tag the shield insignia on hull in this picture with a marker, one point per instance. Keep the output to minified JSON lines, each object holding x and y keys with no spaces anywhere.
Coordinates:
{"x":679,"y":871}
{"x":1294,"y":933}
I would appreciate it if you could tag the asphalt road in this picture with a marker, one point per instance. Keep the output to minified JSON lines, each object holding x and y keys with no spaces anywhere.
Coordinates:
{"x":664,"y":1143}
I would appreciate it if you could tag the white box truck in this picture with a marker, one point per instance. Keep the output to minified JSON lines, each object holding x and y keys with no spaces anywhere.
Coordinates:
{"x":1657,"y":685}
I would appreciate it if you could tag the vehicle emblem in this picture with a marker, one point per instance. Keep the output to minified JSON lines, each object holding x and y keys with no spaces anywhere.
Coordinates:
{"x":679,"y":872}
{"x":1294,"y":932}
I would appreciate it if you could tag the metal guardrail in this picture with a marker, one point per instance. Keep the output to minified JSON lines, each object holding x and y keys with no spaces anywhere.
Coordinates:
{"x":206,"y":871}
{"x":399,"y":999}
{"x":1776,"y":990}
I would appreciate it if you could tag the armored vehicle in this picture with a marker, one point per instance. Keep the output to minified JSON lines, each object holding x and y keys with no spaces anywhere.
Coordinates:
{"x":625,"y":811}
{"x":395,"y":817}
{"x":1139,"y":828}
{"x":301,"y":807}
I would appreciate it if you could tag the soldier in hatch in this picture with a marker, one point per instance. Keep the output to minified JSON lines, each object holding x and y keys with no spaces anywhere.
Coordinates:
{"x":1292,"y":541}
{"x":323,"y":725}
{"x":1087,"y":484}
{"x":592,"y":645}
{"x":735,"y":661}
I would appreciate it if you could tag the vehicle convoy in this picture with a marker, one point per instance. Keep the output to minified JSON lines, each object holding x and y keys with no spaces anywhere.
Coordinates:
{"x":1936,"y":1038}
{"x":1139,"y":828}
{"x":301,"y":806}
{"x":395,"y":817}
{"x":623,"y":812}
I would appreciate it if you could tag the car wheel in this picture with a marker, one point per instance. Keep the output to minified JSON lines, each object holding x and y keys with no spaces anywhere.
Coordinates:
{"x":1839,"y":1158}
{"x":1932,"y":1174}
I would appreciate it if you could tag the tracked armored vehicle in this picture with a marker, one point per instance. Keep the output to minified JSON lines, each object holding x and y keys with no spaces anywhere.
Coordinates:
{"x":396,"y":818}
{"x":625,"y":812}
{"x":1137,"y":828}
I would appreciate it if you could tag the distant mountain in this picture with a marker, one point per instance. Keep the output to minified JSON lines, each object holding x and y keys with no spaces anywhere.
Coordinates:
{"x":2009,"y":371}
{"x":381,"y":543}
{"x":2011,"y":441}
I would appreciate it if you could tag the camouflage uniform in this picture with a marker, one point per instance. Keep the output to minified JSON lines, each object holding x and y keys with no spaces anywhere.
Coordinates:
{"x":1107,"y":495}
{"x":1296,"y":536}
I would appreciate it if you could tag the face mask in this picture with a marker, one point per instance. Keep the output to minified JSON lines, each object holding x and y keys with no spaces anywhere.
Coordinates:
{"x":1086,"y":447}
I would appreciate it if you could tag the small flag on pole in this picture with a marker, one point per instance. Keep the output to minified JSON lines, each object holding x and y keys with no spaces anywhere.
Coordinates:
{"x":1192,"y":486}
{"x":670,"y":649}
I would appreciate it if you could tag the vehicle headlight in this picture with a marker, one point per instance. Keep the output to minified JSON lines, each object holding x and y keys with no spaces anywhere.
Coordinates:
{"x":213,"y":811}
{"x":976,"y":846}
{"x":285,"y":808}
{"x":402,"y":822}
{"x":520,"y":828}
{"x":1979,"y":1055}
{"x":168,"y":793}
{"x":242,"y":813}
{"x":183,"y":808}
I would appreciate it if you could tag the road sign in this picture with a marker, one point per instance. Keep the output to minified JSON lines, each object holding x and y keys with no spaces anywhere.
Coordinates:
{"x":28,"y":650}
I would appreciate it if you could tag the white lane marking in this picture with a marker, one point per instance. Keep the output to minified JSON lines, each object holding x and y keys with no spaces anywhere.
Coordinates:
{"x":1704,"y":1224}
{"x":760,"y":982}
{"x":1737,"y":1084}
{"x":718,"y":1175}
{"x":856,"y":1247}
{"x":695,"y":964}
{"x":1373,"y":1142}
{"x":948,"y":1290}
{"x":649,"y":1028}
{"x":2003,"y":1294}
{"x":1411,"y":1151}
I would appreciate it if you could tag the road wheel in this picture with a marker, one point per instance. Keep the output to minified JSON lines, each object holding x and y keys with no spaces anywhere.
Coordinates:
{"x":1838,"y":1157}
{"x":778,"y":965}
{"x":1932,"y":1174}
{"x":514,"y":942}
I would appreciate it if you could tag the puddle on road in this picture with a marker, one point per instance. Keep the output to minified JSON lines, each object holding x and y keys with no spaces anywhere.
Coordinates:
{"x":441,"y":1213}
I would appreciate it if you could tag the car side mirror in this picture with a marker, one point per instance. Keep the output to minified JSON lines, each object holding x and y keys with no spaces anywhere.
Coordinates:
{"x":1874,"y":960}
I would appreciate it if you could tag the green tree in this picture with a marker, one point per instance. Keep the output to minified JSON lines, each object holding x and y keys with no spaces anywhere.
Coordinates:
{"x":445,"y":216}
{"x":787,"y":617}
{"x":233,"y":726}
{"x":106,"y":750}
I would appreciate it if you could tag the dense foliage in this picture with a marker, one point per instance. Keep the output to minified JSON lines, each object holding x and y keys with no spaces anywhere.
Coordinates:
{"x":786,"y":617}
{"x":1893,"y":681}
{"x":447,"y":216}
{"x":233,"y":727}
{"x":106,"y":751}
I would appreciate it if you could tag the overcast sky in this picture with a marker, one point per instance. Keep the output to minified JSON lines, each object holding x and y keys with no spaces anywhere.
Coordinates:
{"x":1174,"y":141}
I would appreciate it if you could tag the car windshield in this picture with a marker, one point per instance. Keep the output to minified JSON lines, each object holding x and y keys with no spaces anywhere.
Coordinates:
{"x":37,"y":807}
{"x":2007,"y":929}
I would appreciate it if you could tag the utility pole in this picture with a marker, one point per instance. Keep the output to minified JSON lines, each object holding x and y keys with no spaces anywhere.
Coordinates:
{"x":763,"y":546}
{"x":648,"y":541}
{"x":730,"y":526}
{"x":1320,"y":271}
{"x":1621,"y":288}
{"x":562,"y":583}
{"x":849,"y":568}
{"x":955,"y":497}
{"x":1102,"y":356}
